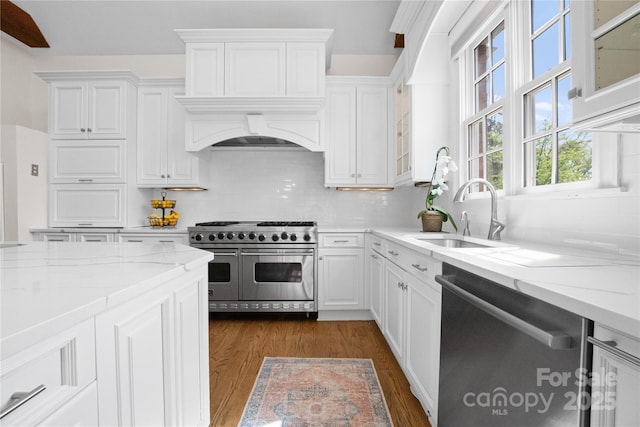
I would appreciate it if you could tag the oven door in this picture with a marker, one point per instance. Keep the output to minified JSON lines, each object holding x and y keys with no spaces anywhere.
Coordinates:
{"x":271,"y":274}
{"x":223,"y":275}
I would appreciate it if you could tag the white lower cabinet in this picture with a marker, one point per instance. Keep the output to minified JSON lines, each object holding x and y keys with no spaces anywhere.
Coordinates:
{"x":341,"y":271}
{"x":154,"y":238}
{"x":106,"y":235}
{"x":82,"y":410}
{"x":375,"y":278}
{"x":410,"y":308}
{"x":615,"y":381}
{"x":152,"y":357}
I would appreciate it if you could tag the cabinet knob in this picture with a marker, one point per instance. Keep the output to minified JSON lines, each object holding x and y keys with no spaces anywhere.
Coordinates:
{"x":576,"y":92}
{"x":168,"y":176}
{"x":83,"y":130}
{"x":359,"y":175}
{"x":89,"y":130}
{"x":162,"y":176}
{"x":353,"y":175}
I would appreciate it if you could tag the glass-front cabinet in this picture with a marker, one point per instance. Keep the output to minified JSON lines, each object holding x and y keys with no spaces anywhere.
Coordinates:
{"x":402,"y":131}
{"x":606,"y":69}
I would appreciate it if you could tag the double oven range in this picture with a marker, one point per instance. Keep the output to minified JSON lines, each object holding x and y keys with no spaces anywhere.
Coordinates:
{"x":260,"y":266}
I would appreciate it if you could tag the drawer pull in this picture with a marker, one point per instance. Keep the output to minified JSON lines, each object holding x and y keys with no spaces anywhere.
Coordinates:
{"x":610,"y":347}
{"x":340,"y":241}
{"x":165,"y":241}
{"x":134,"y":241}
{"x":417,"y":267}
{"x":85,"y":180}
{"x":393,"y":253}
{"x":377,"y":244}
{"x":18,"y":399}
{"x":374,"y":256}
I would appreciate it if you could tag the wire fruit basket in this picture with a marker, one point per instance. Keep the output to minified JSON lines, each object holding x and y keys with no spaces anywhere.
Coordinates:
{"x":163,"y":220}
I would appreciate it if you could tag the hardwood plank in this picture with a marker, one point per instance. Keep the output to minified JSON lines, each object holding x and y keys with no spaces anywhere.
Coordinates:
{"x":237,"y":348}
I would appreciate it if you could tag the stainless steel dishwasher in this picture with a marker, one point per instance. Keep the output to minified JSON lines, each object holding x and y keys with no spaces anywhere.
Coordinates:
{"x":508,"y":359}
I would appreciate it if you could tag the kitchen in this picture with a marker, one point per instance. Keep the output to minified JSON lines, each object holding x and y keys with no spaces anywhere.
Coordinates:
{"x":299,"y":184}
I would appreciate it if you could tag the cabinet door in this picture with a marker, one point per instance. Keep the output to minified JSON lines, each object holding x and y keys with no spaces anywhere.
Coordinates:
{"x":205,"y":69}
{"x":96,"y":205}
{"x":55,"y":237}
{"x":94,"y":237}
{"x":107,"y":114}
{"x":305,"y":69}
{"x":68,"y":110}
{"x":372,"y":145}
{"x":152,"y":136}
{"x":340,"y":160}
{"x":133,"y":343}
{"x":394,"y":310}
{"x":192,"y":353}
{"x":376,"y":279}
{"x":341,"y":279}
{"x":153,"y":238}
{"x":182,"y":166}
{"x":424,"y":304}
{"x":255,"y":69}
{"x":88,"y":161}
{"x":615,"y":391}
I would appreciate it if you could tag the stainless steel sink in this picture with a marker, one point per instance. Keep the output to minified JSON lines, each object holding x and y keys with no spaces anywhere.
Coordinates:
{"x":454,"y":243}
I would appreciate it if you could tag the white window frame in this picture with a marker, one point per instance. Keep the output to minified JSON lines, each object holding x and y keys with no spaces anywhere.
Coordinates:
{"x":468,"y":115}
{"x":515,"y":13}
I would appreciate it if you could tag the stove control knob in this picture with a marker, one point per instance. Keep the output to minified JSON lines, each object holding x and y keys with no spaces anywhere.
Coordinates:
{"x":212,"y":237}
{"x":307,"y":237}
{"x":275,"y":237}
{"x":221,"y":235}
{"x":241,"y":236}
{"x":230,"y":236}
{"x":252,"y":235}
{"x":284,"y":235}
{"x":199,"y":237}
{"x":261,"y":237}
{"x":293,"y":237}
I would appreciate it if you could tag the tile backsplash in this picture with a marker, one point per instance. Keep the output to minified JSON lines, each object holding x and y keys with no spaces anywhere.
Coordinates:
{"x":277,"y":184}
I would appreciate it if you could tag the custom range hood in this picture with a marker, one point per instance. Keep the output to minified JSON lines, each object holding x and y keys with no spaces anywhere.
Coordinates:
{"x":254,"y":83}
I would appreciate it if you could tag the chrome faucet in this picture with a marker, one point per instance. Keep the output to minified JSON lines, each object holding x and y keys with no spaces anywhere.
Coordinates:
{"x":496,"y":226}
{"x":465,"y":218}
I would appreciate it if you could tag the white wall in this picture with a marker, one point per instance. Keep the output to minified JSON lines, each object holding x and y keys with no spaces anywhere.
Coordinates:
{"x":25,"y":196}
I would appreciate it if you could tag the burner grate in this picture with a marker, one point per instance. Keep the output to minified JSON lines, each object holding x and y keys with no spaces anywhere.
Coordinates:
{"x":286,"y":224}
{"x":216,"y":223}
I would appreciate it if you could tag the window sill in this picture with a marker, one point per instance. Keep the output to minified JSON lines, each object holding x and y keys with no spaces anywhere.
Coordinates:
{"x":578,"y":193}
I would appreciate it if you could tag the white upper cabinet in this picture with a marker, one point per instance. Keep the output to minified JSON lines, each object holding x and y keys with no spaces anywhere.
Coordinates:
{"x":357,"y":132}
{"x":606,"y":65}
{"x":161,"y":156}
{"x":255,"y":62}
{"x":255,"y":69}
{"x":97,"y":162}
{"x":90,"y":105}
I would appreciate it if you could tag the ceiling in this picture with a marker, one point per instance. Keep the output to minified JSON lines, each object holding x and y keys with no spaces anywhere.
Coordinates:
{"x":117,"y":27}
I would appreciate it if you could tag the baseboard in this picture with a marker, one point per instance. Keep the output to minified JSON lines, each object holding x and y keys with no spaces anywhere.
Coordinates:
{"x":344,"y":315}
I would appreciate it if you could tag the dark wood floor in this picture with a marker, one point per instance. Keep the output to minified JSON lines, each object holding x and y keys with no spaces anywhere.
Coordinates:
{"x":237,"y":348}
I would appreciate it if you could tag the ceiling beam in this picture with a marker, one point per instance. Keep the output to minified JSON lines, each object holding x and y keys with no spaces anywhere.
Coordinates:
{"x":20,"y":25}
{"x":399,"y":42}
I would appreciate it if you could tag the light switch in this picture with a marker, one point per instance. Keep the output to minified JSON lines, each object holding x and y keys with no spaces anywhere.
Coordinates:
{"x":34,"y":170}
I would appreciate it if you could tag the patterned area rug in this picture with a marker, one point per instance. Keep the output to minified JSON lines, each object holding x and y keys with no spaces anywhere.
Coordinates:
{"x":316,"y":393}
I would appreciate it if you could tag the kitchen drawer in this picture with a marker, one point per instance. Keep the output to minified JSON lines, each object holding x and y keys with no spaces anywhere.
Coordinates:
{"x":63,"y":364}
{"x":341,"y":240}
{"x":56,"y":237}
{"x":88,"y":162}
{"x":94,"y":237}
{"x":153,"y":238}
{"x":87,"y":205}
{"x":376,"y":244}
{"x":622,"y":341}
{"x":81,"y":410}
{"x":420,"y":265}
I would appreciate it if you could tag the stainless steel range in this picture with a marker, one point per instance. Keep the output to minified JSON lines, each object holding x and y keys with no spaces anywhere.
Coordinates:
{"x":260,"y":266}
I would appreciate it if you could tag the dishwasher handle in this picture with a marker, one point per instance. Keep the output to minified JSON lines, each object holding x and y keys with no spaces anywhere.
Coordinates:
{"x":555,"y":340}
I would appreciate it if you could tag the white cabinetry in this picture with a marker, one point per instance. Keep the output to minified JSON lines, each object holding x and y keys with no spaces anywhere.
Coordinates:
{"x":153,"y":238}
{"x":90,"y":105}
{"x":152,"y":357}
{"x":255,"y":63}
{"x":97,"y":235}
{"x":357,"y":152}
{"x":161,"y":156}
{"x":64,"y":364}
{"x":80,"y":205}
{"x":616,"y":380}
{"x":374,"y":274}
{"x":341,"y":271}
{"x":605,"y":69}
{"x":410,"y":312}
{"x":98,"y":162}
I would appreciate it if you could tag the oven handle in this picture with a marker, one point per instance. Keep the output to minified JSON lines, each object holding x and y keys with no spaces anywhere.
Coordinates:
{"x":216,"y":253}
{"x":277,"y":253}
{"x":556,"y":340}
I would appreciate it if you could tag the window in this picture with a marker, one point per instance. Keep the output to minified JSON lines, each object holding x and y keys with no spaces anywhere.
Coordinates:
{"x":485,"y":125}
{"x":552,"y":152}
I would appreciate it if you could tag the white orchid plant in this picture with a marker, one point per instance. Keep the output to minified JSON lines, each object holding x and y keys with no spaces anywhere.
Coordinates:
{"x":438,"y":184}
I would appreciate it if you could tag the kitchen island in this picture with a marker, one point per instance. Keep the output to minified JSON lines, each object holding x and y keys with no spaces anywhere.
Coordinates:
{"x":125,"y":322}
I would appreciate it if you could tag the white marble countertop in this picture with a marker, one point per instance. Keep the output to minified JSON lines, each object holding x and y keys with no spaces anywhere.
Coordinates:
{"x":47,"y":285}
{"x":126,"y":230}
{"x":603,"y":287}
